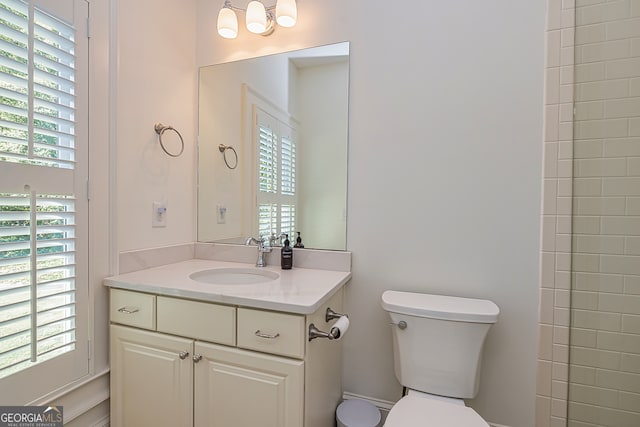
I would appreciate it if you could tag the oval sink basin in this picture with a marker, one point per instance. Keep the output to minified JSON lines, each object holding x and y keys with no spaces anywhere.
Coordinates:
{"x":234,"y":276}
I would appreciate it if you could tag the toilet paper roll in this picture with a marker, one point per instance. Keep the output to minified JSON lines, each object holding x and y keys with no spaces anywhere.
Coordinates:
{"x":340,"y":327}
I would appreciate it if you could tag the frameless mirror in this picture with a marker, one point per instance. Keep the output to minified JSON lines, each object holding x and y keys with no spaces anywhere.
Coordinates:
{"x":272,"y":153}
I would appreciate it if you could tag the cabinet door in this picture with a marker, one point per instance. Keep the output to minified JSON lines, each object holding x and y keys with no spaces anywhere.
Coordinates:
{"x":151,"y":384}
{"x":242,"y":388}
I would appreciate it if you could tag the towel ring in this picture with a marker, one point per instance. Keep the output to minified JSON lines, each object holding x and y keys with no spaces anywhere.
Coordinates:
{"x":160,"y":128}
{"x":223,"y":149}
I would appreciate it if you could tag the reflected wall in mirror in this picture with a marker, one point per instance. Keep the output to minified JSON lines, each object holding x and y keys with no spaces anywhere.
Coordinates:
{"x":286,"y":117}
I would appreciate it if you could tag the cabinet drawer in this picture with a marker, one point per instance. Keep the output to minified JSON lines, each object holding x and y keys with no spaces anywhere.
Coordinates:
{"x":271,"y":332}
{"x":132,"y":308}
{"x":200,"y":320}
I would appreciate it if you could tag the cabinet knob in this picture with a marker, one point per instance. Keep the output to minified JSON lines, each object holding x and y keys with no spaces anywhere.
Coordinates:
{"x":197,"y":357}
{"x":183,"y":355}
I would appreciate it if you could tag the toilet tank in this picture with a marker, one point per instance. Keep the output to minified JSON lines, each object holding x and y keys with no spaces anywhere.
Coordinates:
{"x":440,"y":349}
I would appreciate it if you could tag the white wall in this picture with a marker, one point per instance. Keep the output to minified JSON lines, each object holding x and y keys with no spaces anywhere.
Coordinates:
{"x":156,"y":82}
{"x":444,"y":160}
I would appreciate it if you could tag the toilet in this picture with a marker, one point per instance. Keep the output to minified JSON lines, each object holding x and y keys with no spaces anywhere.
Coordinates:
{"x":437,"y":352}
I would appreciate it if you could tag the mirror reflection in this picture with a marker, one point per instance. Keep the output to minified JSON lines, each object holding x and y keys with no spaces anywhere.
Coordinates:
{"x":272,"y":154}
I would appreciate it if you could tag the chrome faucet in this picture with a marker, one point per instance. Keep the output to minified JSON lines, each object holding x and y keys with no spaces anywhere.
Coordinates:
{"x":262,"y":249}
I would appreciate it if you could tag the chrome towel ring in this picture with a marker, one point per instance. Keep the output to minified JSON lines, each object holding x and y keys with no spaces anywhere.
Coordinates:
{"x":223,"y":149}
{"x":160,"y":129}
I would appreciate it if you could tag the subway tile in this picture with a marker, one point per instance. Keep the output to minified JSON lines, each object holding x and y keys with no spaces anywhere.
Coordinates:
{"x":611,"y":283}
{"x":607,"y":51}
{"x":543,"y":377}
{"x":565,"y":146}
{"x":610,"y":11}
{"x":625,"y":343}
{"x":547,"y":269}
{"x":551,"y":123}
{"x":621,"y":225}
{"x":584,"y":168}
{"x":633,"y":166}
{"x":559,"y":389}
{"x":561,"y":353}
{"x":545,"y":342}
{"x":561,"y":336}
{"x":583,"y":187}
{"x":618,"y":380}
{"x":549,"y":196}
{"x":557,"y":422}
{"x":543,"y":410}
{"x":586,"y":224}
{"x":631,"y":323}
{"x":634,"y":86}
{"x":553,"y":48}
{"x":550,"y":153}
{"x":599,"y":416}
{"x":632,"y":285}
{"x":567,"y":93}
{"x":635,"y":47}
{"x":567,"y":56}
{"x":566,"y":111}
{"x":593,"y":395}
{"x":565,"y":187}
{"x":635,"y":8}
{"x":626,"y":29}
{"x":582,"y":374}
{"x":590,"y":33}
{"x":599,"y":244}
{"x":596,"y":320}
{"x":621,"y":147}
{"x":567,"y":36}
{"x":630,"y":363}
{"x":607,"y":128}
{"x":563,"y":262}
{"x":634,"y":127}
{"x":594,"y":91}
{"x":563,"y":280}
{"x":633,"y":206}
{"x":594,"y":358}
{"x":591,"y":110}
{"x":563,"y":243}
{"x":552,"y":86}
{"x":546,"y":308}
{"x":548,"y":233}
{"x":591,"y":72}
{"x":559,"y":407}
{"x":568,"y":23}
{"x":630,"y":402}
{"x":561,"y":317}
{"x":583,"y":337}
{"x":562,"y":298}
{"x":554,"y":14}
{"x":588,"y":148}
{"x":619,"y":303}
{"x":623,"y":68}
{"x":582,"y":300}
{"x":598,"y":205}
{"x":632,"y":245}
{"x":620,"y":264}
{"x":569,"y":4}
{"x":621,"y":187}
{"x":565,"y":168}
{"x":564,"y":224}
{"x":626,"y":107}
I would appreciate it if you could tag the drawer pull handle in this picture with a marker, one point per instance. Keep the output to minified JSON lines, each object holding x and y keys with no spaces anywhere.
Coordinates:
{"x":183,"y":355}
{"x":267,"y":336}
{"x":128,"y":310}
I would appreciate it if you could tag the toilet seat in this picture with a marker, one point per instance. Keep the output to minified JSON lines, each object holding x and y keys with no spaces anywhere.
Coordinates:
{"x":415,"y":410}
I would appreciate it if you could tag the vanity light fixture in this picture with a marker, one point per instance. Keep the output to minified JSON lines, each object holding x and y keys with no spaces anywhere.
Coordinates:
{"x":259,"y":19}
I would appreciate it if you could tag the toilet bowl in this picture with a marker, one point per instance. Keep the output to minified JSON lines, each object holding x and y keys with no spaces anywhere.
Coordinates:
{"x":418,"y":409}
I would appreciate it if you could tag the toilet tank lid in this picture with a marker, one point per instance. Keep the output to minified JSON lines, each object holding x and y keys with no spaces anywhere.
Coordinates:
{"x":441,"y":307}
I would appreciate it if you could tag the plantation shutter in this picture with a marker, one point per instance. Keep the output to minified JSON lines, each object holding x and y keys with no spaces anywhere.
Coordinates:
{"x":276,"y":175}
{"x":43,"y":202}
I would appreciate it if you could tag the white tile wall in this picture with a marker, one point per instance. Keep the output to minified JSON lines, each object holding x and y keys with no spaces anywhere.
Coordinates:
{"x":598,"y":211}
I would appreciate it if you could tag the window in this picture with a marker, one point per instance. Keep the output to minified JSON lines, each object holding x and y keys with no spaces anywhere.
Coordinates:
{"x":43,"y":202}
{"x":277,"y":198}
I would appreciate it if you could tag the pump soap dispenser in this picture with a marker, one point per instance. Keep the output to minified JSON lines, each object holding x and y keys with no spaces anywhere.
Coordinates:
{"x":286,"y":255}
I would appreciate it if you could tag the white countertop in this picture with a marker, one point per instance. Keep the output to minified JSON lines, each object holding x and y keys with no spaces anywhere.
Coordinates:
{"x":299,"y":290}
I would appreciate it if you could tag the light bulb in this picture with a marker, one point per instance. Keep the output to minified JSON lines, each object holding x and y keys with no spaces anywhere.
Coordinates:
{"x":227,"y":23}
{"x":256,"y":17}
{"x":286,"y":13}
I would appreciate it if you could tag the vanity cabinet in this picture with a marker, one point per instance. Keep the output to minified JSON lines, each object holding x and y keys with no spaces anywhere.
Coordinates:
{"x":179,"y":362}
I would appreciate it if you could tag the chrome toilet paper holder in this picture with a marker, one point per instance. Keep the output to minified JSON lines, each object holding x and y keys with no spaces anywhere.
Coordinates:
{"x":334,"y":333}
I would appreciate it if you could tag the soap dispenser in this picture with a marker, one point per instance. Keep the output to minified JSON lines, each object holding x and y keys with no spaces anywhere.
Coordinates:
{"x":298,"y":242}
{"x":286,"y":255}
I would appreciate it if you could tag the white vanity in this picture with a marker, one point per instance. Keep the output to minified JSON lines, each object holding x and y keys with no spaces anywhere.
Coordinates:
{"x":185,"y":352}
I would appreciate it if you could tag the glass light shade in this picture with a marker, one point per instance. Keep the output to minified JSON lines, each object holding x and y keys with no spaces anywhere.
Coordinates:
{"x":256,"y":17}
{"x":227,"y":23}
{"x":286,"y":13}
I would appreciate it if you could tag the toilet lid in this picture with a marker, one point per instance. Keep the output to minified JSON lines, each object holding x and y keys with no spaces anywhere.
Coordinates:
{"x":414,"y":411}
